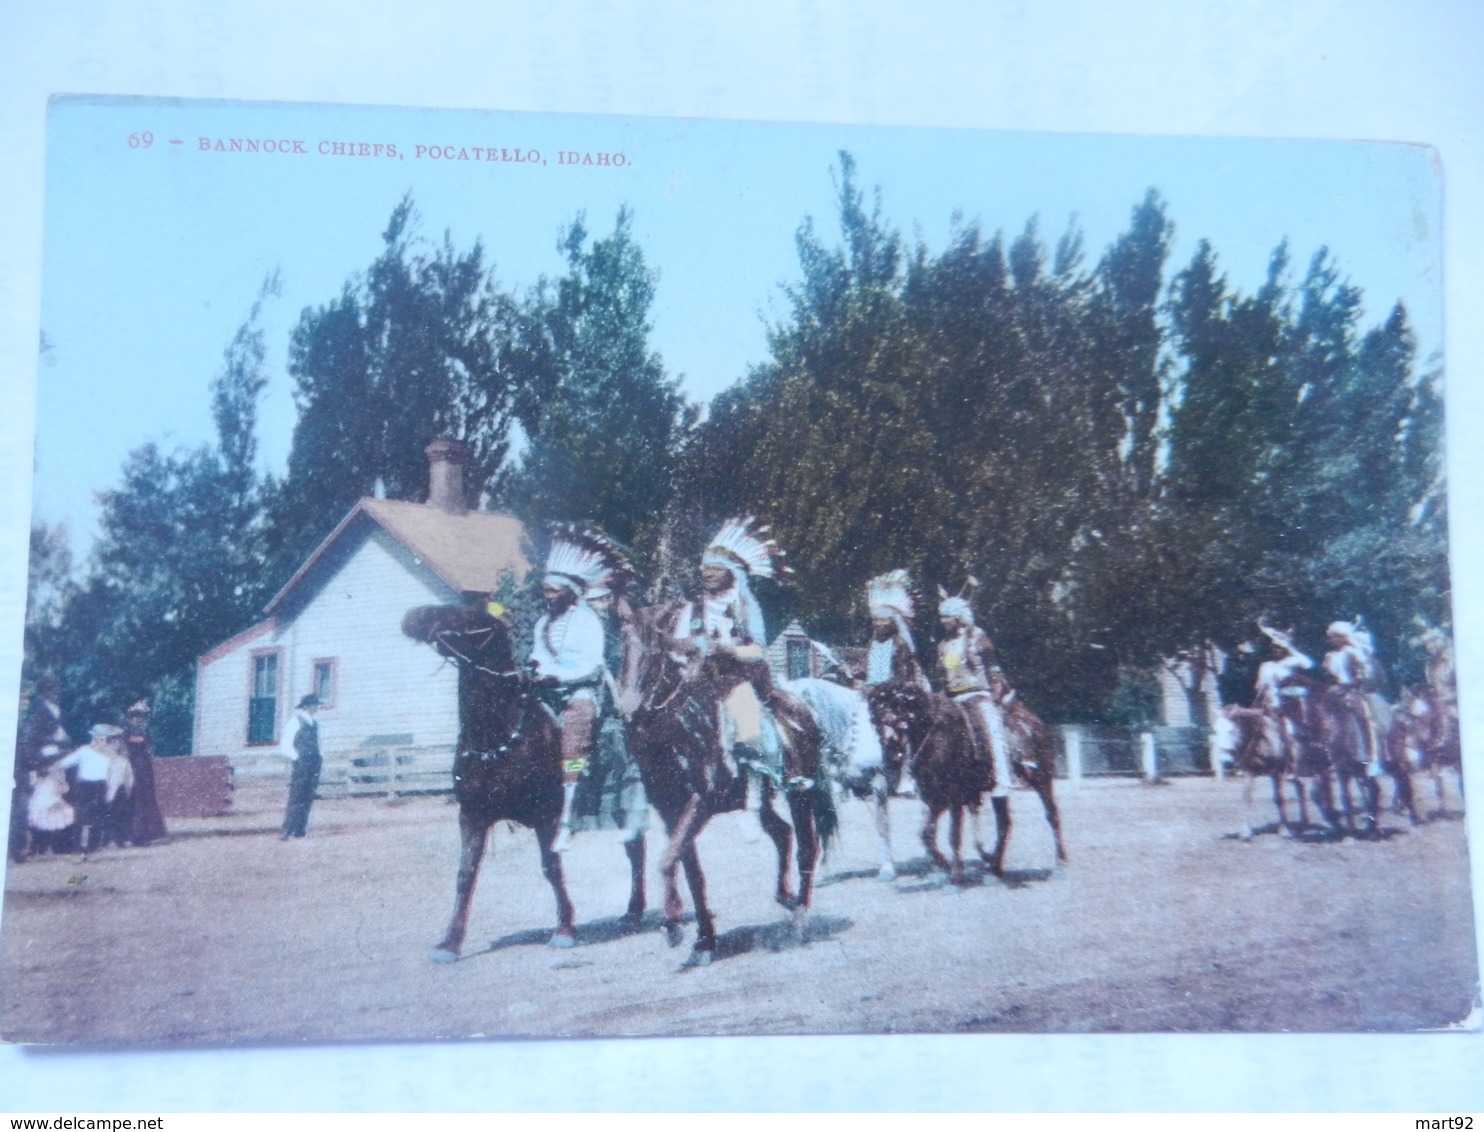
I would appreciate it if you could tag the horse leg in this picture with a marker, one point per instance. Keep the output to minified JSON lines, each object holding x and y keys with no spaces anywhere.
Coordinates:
{"x":474,"y":834}
{"x":1303,"y":802}
{"x":1278,"y":801}
{"x":782,"y":837}
{"x":551,"y":867}
{"x":705,"y":946}
{"x":955,"y":843}
{"x":930,"y":837}
{"x":807,"y":853}
{"x":683,"y":832}
{"x":879,"y":804}
{"x":1047,"y":791}
{"x":634,"y":849}
{"x":1247,"y":791}
{"x":1370,"y":796}
{"x":1001,"y":807}
{"x":1321,"y":789}
{"x":976,"y":828}
{"x":1406,"y":797}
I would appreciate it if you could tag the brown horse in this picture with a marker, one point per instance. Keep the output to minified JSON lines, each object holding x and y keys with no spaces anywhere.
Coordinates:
{"x":672,"y":711}
{"x":930,"y":736}
{"x":1340,"y":733}
{"x":507,"y":766}
{"x":933,"y":733}
{"x":1249,"y":739}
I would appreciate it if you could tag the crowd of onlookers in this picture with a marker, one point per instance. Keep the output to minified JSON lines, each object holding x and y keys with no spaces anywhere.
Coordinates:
{"x":72,"y":798}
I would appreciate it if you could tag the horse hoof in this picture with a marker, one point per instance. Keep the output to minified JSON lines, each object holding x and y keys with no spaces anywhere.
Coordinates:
{"x":443,"y":955}
{"x":631,"y":920}
{"x":700,"y":958}
{"x":674,"y":935}
{"x":887,"y":873}
{"x":563,"y":940}
{"x":1059,"y":873}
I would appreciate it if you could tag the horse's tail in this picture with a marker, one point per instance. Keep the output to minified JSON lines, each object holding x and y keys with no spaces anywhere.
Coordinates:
{"x":822,"y":806}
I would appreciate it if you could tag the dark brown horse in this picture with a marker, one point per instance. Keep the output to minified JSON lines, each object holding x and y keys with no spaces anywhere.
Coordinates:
{"x":672,"y":710}
{"x":507,"y":766}
{"x":933,"y":733}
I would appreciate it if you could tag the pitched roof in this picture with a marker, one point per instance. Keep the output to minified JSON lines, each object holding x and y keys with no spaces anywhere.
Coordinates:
{"x":471,"y":552}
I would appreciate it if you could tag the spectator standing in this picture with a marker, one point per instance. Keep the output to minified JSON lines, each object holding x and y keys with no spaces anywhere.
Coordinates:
{"x":301,"y":746}
{"x":103,"y":779}
{"x":41,"y":739}
{"x":145,"y":822}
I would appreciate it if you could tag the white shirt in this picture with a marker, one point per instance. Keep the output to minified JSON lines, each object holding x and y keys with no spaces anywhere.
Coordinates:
{"x":291,"y":732}
{"x":570,"y":646}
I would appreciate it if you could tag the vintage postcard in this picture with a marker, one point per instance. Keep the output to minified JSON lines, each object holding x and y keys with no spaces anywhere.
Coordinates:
{"x":539,"y":576}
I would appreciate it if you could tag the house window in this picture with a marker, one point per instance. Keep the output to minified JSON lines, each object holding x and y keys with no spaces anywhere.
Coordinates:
{"x":323,"y":684}
{"x":262,"y":704}
{"x":798,"y":660}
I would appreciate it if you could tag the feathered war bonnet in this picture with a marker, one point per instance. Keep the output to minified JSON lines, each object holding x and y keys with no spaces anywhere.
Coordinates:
{"x":746,"y":549}
{"x":889,"y":596}
{"x":585,"y":561}
{"x":1284,"y":640}
{"x":958,"y":606}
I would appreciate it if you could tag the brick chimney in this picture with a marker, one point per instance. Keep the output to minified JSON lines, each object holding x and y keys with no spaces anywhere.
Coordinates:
{"x":446,"y":460}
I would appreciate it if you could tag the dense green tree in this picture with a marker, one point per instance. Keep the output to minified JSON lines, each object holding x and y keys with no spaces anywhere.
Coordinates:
{"x":601,"y":417}
{"x":177,"y":566}
{"x":423,"y":345}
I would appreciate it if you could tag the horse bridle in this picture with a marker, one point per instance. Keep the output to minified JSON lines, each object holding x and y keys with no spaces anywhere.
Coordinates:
{"x":511,"y":674}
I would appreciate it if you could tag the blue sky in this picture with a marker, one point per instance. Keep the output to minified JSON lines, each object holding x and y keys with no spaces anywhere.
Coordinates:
{"x":154,"y":253}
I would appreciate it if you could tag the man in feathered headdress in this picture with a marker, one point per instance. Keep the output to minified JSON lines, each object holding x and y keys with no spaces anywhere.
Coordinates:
{"x":892,"y":655}
{"x":1280,"y":695}
{"x":1352,"y":666}
{"x":567,"y":654}
{"x":725,"y":625}
{"x":971,"y":675}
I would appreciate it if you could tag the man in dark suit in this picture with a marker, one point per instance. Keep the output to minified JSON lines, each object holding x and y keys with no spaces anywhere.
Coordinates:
{"x":301,"y":745}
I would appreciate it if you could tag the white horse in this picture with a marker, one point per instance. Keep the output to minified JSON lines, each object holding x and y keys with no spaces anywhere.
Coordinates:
{"x":851,"y":748}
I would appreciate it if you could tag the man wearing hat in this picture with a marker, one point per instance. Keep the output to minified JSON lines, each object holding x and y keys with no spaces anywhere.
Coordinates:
{"x":146,"y":823}
{"x":972,"y":676}
{"x":567,"y":656}
{"x":300,"y":744}
{"x":724,"y":627}
{"x":1280,"y":696}
{"x":1351,"y":664}
{"x":892,"y":657}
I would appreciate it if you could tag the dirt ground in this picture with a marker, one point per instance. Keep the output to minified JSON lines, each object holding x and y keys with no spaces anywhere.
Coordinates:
{"x":1162,"y":922}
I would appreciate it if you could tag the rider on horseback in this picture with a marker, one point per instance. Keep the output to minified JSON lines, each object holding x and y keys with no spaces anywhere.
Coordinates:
{"x":567,"y":656}
{"x":1356,"y":674}
{"x":1280,"y":696}
{"x":723,"y":627}
{"x":972,"y":676}
{"x":892,"y":655}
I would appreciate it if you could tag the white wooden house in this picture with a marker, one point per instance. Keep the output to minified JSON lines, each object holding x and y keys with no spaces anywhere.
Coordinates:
{"x":334,"y":629}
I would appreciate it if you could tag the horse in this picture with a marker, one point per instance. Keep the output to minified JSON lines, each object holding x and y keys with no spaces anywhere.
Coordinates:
{"x":507,"y":765}
{"x":1248,"y":738}
{"x":672,"y":711}
{"x":935,"y":736}
{"x":1424,"y":737}
{"x":1340,"y":732}
{"x":853,"y":753}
